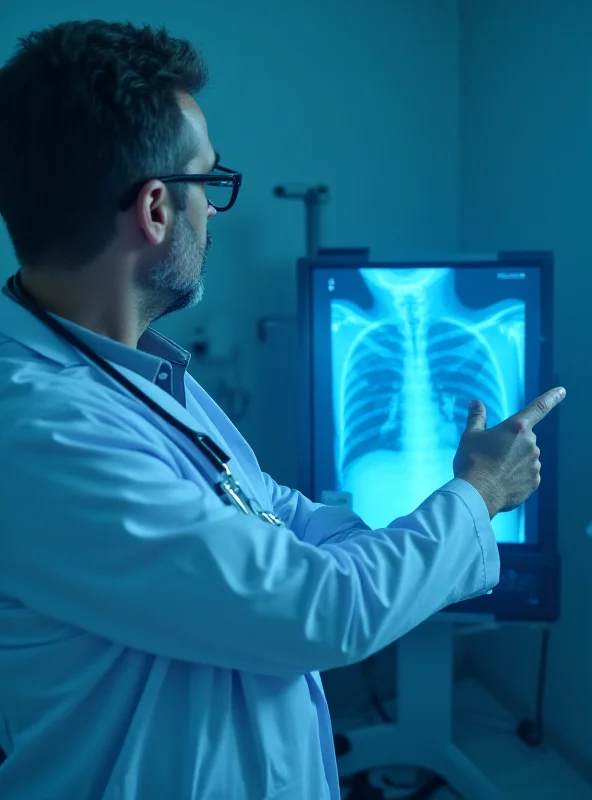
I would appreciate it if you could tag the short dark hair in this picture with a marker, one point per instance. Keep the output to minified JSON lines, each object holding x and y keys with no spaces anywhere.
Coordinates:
{"x":87,"y":110}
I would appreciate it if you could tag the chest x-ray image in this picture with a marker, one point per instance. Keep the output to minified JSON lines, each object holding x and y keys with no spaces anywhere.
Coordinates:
{"x":404,"y":369}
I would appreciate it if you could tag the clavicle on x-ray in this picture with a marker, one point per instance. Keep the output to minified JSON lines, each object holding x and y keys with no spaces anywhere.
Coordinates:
{"x":403,"y":375}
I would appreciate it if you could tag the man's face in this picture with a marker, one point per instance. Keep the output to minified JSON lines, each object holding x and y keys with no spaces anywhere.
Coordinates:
{"x":178,"y":278}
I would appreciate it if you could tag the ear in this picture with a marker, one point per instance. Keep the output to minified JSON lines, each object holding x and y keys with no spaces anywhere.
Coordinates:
{"x":155,"y":212}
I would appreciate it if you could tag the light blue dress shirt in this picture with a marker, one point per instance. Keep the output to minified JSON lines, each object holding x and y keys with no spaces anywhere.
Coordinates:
{"x":155,"y":643}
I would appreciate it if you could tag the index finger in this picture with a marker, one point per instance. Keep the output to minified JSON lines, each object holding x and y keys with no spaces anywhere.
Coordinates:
{"x":539,"y":408}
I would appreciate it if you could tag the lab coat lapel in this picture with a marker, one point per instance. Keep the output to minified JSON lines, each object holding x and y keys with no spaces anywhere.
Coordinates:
{"x":243,"y":462}
{"x":168,"y":403}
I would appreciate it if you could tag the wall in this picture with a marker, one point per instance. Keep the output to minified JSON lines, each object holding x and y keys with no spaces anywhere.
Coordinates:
{"x":361,"y":95}
{"x":526,"y":127}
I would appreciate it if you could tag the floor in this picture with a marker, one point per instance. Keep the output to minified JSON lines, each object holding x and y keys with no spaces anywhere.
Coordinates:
{"x":484,"y":729}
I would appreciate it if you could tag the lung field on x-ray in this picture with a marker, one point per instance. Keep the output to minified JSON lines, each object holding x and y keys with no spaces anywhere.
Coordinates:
{"x":372,"y":394}
{"x":403,"y":376}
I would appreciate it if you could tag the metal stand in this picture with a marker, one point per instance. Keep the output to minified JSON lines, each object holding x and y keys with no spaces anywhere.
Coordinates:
{"x":312,"y":197}
{"x":422,"y":735}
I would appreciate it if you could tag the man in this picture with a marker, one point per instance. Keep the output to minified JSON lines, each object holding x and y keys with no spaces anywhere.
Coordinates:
{"x":155,"y":640}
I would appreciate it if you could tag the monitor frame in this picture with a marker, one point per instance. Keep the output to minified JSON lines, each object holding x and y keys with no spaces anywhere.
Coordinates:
{"x":530,"y":583}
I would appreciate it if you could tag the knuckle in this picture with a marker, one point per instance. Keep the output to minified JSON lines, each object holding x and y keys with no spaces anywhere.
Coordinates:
{"x":519,"y":426}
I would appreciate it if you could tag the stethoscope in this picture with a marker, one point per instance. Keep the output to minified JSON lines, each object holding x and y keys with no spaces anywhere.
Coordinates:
{"x":226,"y":487}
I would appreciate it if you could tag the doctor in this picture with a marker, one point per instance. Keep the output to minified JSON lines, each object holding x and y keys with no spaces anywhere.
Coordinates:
{"x":161,"y":628}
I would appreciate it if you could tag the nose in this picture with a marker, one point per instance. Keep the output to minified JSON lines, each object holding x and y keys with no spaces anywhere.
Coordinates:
{"x":211,"y":211}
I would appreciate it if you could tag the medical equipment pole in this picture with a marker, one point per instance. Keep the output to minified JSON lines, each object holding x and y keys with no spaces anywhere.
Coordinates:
{"x":421,"y":737}
{"x":313,"y":197}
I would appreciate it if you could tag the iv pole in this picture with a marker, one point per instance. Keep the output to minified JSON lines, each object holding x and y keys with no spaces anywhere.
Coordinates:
{"x":313,"y":198}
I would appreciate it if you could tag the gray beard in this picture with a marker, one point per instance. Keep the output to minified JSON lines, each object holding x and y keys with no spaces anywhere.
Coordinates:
{"x":177,"y":281}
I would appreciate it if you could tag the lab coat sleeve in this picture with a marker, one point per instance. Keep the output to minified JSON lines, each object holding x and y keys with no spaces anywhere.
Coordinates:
{"x":100,"y":532}
{"x":296,"y":512}
{"x":319,"y":524}
{"x":314,"y":523}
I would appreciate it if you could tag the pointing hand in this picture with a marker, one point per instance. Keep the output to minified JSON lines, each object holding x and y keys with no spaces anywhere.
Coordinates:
{"x":502,"y":462}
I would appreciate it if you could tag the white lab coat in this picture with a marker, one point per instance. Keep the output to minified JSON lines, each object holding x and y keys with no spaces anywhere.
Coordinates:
{"x":111,"y":533}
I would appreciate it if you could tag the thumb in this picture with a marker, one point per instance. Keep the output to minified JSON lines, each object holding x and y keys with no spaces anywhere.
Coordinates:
{"x":477,"y":419}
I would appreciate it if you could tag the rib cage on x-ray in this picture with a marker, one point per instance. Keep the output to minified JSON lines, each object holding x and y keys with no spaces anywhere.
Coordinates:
{"x":446,"y":363}
{"x":372,"y":413}
{"x":461,"y":369}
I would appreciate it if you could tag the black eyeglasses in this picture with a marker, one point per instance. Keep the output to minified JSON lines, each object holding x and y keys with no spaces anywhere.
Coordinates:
{"x":222,"y":187}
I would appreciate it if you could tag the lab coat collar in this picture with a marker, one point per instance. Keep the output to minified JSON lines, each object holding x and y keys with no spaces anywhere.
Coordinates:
{"x":20,"y":325}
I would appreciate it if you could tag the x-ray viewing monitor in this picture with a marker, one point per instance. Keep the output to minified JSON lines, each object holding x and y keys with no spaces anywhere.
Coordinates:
{"x":392,"y":354}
